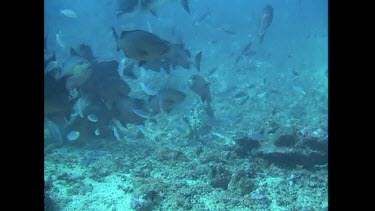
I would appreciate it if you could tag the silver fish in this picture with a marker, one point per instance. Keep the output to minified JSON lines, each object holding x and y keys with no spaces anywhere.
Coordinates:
{"x":73,"y":135}
{"x":69,"y":13}
{"x":116,"y":133}
{"x":148,"y":90}
{"x":59,"y":40}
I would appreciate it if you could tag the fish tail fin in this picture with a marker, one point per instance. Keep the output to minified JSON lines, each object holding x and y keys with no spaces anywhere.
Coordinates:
{"x":115,"y":35}
{"x":185,"y":5}
{"x":154,"y":13}
{"x":198,"y":59}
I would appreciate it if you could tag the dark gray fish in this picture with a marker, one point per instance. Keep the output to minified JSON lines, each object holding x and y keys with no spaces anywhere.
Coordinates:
{"x":198,"y":58}
{"x":141,"y":45}
{"x":153,"y":52}
{"x":178,"y":56}
{"x":229,"y":31}
{"x":266,"y":21}
{"x":85,"y":51}
{"x":203,"y":17}
{"x":126,"y":6}
{"x":244,"y":51}
{"x":185,"y":5}
{"x":166,"y":100}
{"x":77,"y":69}
{"x":202,"y":88}
{"x":106,"y":84}
{"x":124,"y":108}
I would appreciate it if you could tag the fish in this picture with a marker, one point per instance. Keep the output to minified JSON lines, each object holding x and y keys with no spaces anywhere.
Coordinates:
{"x":97,"y":131}
{"x":165,"y":101}
{"x":77,"y":69}
{"x":198,"y":59}
{"x":141,"y":45}
{"x":202,"y":88}
{"x":92,"y":118}
{"x":266,"y":21}
{"x":227,"y":28}
{"x":244,"y":51}
{"x":126,"y":6}
{"x":80,"y":105}
{"x":126,"y":71}
{"x":142,"y":113}
{"x":126,"y":109}
{"x":203,"y":17}
{"x":185,"y":5}
{"x":131,"y":138}
{"x":68,"y":13}
{"x":73,"y":135}
{"x":134,"y":6}
{"x":106,"y":84}
{"x":59,"y":40}
{"x":152,"y":52}
{"x":85,"y":51}
{"x":141,"y":128}
{"x":299,"y":89}
{"x":116,"y":134}
{"x":54,"y":131}
{"x":148,"y":90}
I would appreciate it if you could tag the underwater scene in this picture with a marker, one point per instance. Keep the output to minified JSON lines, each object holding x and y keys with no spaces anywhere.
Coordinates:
{"x":175,"y":105}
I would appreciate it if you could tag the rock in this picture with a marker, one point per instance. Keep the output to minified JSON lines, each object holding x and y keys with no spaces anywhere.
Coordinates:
{"x":220,"y":177}
{"x":286,"y":140}
{"x":245,"y":145}
{"x":292,"y":158}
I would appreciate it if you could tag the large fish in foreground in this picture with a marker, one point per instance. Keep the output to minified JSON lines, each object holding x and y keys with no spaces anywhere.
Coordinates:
{"x":153,"y":52}
{"x":165,"y":100}
{"x":77,"y":68}
{"x":133,"y":6}
{"x":266,"y":21}
{"x":202,"y":88}
{"x":106,"y":84}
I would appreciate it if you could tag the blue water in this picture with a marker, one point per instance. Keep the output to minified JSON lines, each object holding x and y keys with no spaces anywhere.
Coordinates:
{"x":173,"y":163}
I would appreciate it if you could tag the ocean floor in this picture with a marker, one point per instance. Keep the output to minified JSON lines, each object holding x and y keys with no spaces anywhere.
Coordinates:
{"x":221,"y":170}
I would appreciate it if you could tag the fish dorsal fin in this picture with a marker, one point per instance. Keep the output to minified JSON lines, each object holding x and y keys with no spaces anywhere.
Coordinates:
{"x":73,"y":52}
{"x":185,"y":5}
{"x":123,"y":34}
{"x":154,"y":13}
